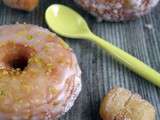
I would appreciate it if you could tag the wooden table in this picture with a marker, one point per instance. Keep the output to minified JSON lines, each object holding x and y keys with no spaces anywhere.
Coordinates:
{"x":99,"y":71}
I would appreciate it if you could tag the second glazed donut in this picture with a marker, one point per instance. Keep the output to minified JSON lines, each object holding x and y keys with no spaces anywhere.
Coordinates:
{"x":117,"y":10}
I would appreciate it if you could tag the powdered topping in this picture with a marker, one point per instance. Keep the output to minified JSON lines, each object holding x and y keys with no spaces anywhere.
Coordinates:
{"x":117,"y":10}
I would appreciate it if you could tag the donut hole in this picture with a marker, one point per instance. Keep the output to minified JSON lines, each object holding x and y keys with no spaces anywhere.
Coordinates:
{"x":16,"y":56}
{"x":19,"y":63}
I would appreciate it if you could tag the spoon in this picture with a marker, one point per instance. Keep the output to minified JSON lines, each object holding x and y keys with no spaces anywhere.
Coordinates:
{"x":68,"y":23}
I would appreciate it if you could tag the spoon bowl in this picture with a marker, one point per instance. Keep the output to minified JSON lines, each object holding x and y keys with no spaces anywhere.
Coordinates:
{"x":75,"y":26}
{"x":68,"y":23}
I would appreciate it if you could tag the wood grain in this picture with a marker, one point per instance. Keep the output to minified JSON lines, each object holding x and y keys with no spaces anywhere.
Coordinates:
{"x":100,"y":71}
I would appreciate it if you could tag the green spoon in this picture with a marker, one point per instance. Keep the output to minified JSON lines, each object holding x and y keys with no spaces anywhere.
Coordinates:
{"x":69,"y":23}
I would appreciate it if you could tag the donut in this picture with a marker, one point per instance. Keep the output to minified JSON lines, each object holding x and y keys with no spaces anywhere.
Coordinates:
{"x":117,"y":10}
{"x":26,"y":5}
{"x":39,"y":74}
{"x":122,"y":104}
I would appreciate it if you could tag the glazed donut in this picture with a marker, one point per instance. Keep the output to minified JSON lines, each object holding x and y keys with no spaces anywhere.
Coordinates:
{"x":26,"y":5}
{"x":117,"y":10}
{"x":121,"y":104}
{"x":39,"y":75}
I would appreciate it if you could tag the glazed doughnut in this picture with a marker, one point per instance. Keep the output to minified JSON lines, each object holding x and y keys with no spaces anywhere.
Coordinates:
{"x":121,"y":104}
{"x":27,"y":5}
{"x":117,"y":10}
{"x":39,"y":75}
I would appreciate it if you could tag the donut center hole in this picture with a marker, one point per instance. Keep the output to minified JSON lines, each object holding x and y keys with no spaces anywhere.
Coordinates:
{"x":19,"y":63}
{"x":16,"y":56}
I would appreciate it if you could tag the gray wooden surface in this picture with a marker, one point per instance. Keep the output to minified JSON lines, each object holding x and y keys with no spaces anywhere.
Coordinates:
{"x":100,"y":71}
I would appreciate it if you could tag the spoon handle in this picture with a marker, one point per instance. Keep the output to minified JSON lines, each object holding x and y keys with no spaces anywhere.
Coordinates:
{"x":128,"y":60}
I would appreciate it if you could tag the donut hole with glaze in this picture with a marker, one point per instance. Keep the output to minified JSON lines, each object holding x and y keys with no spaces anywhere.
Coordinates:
{"x":15,"y":56}
{"x":19,"y":63}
